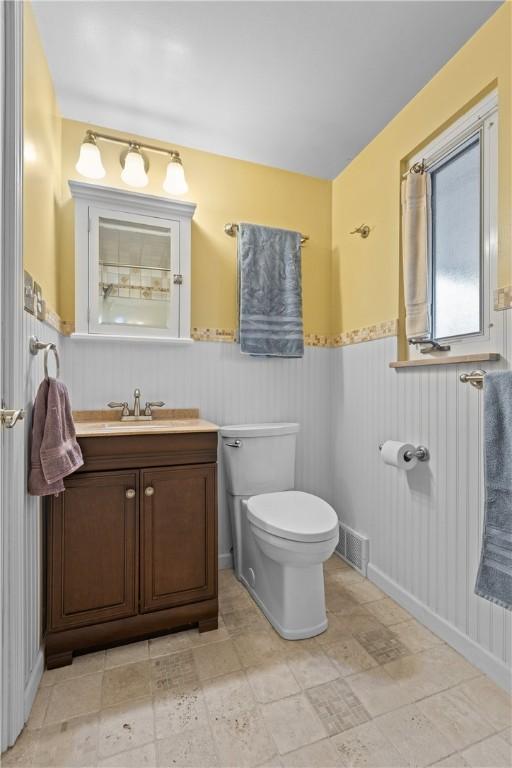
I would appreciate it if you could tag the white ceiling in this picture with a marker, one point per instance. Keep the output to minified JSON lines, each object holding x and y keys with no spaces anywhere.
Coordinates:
{"x":297,"y":85}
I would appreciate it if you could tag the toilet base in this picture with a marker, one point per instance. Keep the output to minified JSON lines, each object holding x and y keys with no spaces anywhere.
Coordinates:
{"x":288,"y":634}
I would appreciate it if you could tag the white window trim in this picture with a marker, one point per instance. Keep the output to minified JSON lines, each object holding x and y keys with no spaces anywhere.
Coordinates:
{"x":91,"y":197}
{"x":483,"y":115}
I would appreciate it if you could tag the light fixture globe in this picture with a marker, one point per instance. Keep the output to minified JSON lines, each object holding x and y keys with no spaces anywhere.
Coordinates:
{"x":134,"y":171}
{"x":89,"y":162}
{"x":175,"y":182}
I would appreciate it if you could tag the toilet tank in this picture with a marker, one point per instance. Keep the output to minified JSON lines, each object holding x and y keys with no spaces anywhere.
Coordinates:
{"x":259,"y":458}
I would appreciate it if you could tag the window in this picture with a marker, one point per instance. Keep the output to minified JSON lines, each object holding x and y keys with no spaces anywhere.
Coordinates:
{"x":462,"y":221}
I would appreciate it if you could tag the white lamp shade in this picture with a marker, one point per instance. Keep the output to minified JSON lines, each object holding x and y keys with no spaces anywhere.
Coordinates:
{"x":89,"y":162}
{"x":134,"y":174}
{"x":175,"y":182}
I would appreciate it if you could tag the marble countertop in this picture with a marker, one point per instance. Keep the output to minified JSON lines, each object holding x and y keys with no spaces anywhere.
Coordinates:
{"x":165,"y":421}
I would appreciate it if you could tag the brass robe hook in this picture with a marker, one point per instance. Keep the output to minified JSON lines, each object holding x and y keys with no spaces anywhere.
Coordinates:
{"x":363,"y":230}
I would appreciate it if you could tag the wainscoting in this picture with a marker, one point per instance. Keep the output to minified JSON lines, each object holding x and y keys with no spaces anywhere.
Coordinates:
{"x":425,"y":525}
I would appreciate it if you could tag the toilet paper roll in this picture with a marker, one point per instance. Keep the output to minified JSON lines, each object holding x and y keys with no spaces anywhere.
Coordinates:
{"x":393,"y":453}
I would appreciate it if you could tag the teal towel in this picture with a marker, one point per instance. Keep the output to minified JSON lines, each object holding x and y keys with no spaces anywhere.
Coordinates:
{"x":494,"y":579}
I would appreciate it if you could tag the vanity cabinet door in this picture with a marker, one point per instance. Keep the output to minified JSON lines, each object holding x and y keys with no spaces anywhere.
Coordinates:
{"x":178,"y":536}
{"x":92,"y":550}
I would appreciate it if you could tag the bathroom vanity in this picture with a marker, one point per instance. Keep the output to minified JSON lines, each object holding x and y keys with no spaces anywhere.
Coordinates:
{"x":131,"y":545}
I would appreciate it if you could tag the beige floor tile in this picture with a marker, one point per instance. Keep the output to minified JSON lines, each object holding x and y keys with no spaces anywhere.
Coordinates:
{"x":430,"y":671}
{"x":387,"y":611}
{"x":126,"y":726}
{"x":337,"y":628}
{"x":378,"y":692}
{"x":351,"y":622}
{"x":341,"y":578}
{"x":364,"y":591}
{"x":244,"y":622}
{"x":235,"y":601}
{"x":192,"y":749}
{"x":72,"y":698}
{"x":349,"y":657}
{"x":228,"y":695}
{"x":415,"y":636}
{"x":23,"y":752}
{"x":272,"y":681}
{"x":488,"y":698}
{"x":312,"y":667}
{"x":452,"y":761}
{"x":274,"y":762}
{"x":321,"y":754}
{"x":81,"y":665}
{"x":335,"y":563}
{"x":414,"y":736}
{"x":177,"y":670}
{"x":39,"y":707}
{"x":178,"y":710}
{"x":228,"y":580}
{"x":127,"y":654}
{"x":337,"y":706}
{"x":293,"y":723}
{"x":507,"y":734}
{"x":125,"y":683}
{"x":337,"y":600}
{"x":140,"y":757}
{"x":216,"y":659}
{"x":68,"y":744}
{"x":243,"y":739}
{"x":453,"y":714}
{"x":490,"y":753}
{"x":256,"y":648}
{"x":382,"y":645}
{"x":213,"y":636}
{"x":172,"y":643}
{"x":50,"y":677}
{"x":366,"y":747}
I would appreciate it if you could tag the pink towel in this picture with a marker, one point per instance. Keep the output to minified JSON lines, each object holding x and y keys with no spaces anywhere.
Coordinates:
{"x":55,"y":452}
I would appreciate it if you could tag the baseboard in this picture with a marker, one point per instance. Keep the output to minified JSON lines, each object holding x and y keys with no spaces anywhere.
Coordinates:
{"x":496,"y":669}
{"x":225,"y":561}
{"x":33,"y":683}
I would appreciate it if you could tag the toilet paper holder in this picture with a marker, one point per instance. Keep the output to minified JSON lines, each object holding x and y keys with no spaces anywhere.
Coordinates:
{"x":421,"y":453}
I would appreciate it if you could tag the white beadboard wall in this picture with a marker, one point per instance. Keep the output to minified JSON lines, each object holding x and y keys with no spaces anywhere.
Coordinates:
{"x":226,"y":386}
{"x":425,"y":525}
{"x":33,"y":519}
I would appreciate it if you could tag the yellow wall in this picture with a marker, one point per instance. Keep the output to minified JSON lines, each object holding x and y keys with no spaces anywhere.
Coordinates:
{"x":224,"y":190}
{"x":41,"y":169}
{"x":366,"y":273}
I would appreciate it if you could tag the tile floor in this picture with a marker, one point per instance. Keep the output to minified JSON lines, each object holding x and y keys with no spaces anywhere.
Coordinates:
{"x":376,"y":689}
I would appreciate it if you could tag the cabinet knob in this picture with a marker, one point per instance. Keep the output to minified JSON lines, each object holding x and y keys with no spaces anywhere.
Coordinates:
{"x":149,"y":490}
{"x":130,"y":493}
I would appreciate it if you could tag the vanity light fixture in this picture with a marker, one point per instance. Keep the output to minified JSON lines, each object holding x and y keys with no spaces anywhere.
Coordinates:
{"x":134,"y":162}
{"x":89,"y":162}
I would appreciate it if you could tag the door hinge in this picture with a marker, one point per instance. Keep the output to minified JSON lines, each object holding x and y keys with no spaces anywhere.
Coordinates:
{"x":178,"y":279}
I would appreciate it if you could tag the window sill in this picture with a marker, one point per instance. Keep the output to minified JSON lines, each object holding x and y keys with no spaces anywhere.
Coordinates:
{"x":454,"y":360}
{"x":146,"y":339}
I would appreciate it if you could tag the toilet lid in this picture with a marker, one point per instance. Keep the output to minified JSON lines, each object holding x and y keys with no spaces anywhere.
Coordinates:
{"x":293,"y":515}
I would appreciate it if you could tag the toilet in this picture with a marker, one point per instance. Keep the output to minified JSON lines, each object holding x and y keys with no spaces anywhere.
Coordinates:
{"x":281,"y":537}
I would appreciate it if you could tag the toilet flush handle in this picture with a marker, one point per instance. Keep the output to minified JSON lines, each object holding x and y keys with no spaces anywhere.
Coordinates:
{"x":234,"y":444}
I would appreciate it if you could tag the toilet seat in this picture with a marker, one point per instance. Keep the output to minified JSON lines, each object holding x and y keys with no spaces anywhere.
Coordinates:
{"x":293,"y":515}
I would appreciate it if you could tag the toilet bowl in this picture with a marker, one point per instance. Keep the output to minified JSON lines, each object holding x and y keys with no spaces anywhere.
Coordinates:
{"x":281,"y":536}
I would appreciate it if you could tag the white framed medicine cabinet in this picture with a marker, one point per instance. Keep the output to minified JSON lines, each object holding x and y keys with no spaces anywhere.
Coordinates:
{"x":132,"y":264}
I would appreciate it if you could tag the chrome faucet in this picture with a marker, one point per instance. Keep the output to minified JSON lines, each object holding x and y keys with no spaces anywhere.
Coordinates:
{"x":136,"y":415}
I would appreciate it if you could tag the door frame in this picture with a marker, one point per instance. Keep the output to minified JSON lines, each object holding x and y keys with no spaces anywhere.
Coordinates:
{"x":12,"y":441}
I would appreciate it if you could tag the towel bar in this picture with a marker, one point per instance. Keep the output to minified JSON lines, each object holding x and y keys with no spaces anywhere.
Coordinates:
{"x":475,"y":378}
{"x":35,"y":345}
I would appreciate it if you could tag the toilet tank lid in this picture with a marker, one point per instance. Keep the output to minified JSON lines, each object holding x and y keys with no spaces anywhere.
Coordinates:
{"x":259,"y":430}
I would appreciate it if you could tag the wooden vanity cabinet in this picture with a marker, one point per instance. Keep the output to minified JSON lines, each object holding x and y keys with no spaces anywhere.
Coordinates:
{"x":131,"y":545}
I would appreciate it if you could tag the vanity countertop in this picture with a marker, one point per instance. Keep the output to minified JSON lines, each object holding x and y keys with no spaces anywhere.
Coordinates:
{"x":165,"y":421}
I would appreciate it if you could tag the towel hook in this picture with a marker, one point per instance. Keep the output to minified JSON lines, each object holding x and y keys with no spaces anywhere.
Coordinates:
{"x":363,"y":230}
{"x":35,"y":345}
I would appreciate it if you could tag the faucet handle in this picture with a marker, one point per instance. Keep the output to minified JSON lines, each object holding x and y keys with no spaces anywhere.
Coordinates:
{"x":124,"y":406}
{"x":155,"y":404}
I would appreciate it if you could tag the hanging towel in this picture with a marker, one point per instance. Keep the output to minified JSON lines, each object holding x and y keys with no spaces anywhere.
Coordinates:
{"x":494,"y":579}
{"x":415,"y":205}
{"x":270,"y":291}
{"x":54,"y":452}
